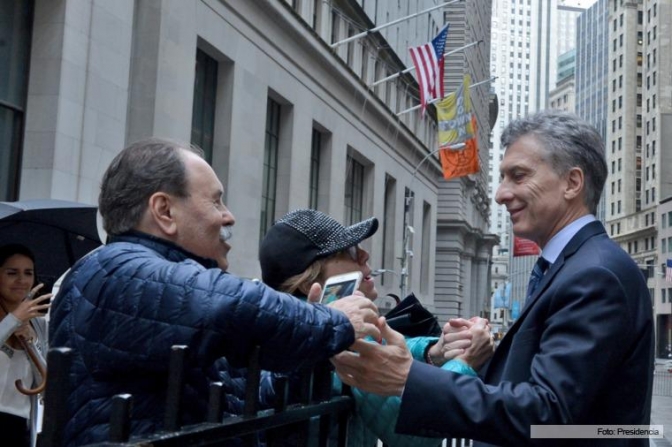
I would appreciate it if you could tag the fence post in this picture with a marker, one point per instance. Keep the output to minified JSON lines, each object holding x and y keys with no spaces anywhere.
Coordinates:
{"x":322,"y":379}
{"x":281,"y":393}
{"x":342,"y":430}
{"x":56,"y":397}
{"x":252,"y":383}
{"x":215,"y":402}
{"x":171,"y":421}
{"x":252,"y":392}
{"x":120,"y":420}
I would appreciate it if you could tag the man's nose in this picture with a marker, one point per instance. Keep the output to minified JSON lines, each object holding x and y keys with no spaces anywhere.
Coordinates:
{"x":502,"y":194}
{"x":228,"y":218}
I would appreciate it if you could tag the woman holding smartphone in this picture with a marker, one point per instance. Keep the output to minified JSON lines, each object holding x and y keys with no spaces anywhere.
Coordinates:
{"x":20,"y":317}
{"x":306,"y":247}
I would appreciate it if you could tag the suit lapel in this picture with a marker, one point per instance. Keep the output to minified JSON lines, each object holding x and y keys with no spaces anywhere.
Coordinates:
{"x":587,"y":232}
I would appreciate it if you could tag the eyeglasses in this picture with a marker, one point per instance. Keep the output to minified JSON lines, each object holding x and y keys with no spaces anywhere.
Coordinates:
{"x":353,"y":252}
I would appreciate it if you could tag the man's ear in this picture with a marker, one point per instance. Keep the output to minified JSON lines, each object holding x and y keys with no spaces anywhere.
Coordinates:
{"x":162,"y":213}
{"x":575,"y":183}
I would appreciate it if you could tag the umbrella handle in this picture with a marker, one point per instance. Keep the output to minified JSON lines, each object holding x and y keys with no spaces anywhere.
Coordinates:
{"x":30,"y":350}
{"x":32,"y":356}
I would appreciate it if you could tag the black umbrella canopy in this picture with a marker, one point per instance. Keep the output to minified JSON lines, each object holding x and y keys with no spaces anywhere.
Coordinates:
{"x":58,"y":232}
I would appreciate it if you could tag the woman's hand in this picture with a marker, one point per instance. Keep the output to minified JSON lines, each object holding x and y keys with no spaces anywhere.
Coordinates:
{"x":31,"y":308}
{"x":26,"y":332}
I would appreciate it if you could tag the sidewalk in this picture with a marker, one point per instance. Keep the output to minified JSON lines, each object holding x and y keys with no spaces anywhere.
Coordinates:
{"x":661,"y":414}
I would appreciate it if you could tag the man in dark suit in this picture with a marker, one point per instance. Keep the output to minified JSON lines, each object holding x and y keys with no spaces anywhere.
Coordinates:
{"x":581,"y":352}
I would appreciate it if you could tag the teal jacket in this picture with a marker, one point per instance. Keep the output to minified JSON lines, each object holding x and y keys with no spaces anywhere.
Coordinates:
{"x":376,"y":416}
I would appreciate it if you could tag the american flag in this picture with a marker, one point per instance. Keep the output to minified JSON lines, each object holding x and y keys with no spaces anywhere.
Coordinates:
{"x":668,"y":271}
{"x":428,"y":61}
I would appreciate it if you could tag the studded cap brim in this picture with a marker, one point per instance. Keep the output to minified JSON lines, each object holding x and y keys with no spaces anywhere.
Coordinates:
{"x":303,"y":236}
{"x":327,"y":234}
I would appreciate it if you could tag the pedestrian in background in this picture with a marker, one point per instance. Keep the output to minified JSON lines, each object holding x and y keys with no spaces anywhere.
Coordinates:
{"x":20,"y":316}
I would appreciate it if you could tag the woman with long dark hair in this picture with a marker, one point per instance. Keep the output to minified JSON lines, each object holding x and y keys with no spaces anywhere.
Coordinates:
{"x":21,"y":322}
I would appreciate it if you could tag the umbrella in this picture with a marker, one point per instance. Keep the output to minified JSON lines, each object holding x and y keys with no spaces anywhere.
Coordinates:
{"x":58,"y":232}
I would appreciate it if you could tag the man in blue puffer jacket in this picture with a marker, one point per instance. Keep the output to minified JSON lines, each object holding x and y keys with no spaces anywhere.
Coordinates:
{"x":161,"y":281}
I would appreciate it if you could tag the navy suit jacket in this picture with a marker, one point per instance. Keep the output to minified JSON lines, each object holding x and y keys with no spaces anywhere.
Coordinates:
{"x":581,"y":353}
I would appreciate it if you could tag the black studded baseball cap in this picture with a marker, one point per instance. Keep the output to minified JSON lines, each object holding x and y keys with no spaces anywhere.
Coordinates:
{"x":303,"y":236}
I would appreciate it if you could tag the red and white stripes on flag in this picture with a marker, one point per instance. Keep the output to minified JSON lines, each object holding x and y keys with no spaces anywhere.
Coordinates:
{"x":428,"y":62}
{"x":668,"y":271}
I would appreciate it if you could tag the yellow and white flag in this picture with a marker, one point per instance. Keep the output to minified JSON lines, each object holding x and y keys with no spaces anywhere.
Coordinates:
{"x":454,"y":116}
{"x":457,"y":125}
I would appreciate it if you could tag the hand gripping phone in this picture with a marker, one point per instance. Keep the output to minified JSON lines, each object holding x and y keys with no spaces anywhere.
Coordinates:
{"x":339,"y":286}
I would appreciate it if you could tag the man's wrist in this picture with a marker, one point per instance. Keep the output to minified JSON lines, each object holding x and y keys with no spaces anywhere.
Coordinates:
{"x":467,"y":360}
{"x":427,"y":356}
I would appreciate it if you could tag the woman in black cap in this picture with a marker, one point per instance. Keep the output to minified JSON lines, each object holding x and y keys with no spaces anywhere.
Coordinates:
{"x":306,"y":247}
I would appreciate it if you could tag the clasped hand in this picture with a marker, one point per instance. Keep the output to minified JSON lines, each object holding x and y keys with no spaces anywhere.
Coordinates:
{"x":383,"y":369}
{"x":468,"y":340}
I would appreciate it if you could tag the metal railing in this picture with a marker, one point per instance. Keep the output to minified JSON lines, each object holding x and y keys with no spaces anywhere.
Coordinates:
{"x":318,"y":419}
{"x":662,"y":383}
{"x":311,"y":420}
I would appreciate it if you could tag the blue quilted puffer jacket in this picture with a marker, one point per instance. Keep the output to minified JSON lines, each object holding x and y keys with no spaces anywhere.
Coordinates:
{"x":123,"y":306}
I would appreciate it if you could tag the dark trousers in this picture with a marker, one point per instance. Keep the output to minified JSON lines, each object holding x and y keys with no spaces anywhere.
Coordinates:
{"x":14,"y":431}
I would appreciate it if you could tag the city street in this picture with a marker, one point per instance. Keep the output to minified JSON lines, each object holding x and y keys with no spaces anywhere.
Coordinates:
{"x":499,"y":159}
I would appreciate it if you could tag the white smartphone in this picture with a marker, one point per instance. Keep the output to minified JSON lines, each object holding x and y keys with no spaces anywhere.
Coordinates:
{"x":339,"y":286}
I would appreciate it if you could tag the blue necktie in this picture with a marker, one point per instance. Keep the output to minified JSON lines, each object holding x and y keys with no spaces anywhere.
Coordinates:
{"x":537,"y":273}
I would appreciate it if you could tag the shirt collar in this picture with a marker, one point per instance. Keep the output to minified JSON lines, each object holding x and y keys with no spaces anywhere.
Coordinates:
{"x":166,"y":248}
{"x":558,"y":242}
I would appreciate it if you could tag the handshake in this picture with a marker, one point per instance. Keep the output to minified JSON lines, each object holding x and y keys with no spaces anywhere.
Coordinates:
{"x":469,"y":340}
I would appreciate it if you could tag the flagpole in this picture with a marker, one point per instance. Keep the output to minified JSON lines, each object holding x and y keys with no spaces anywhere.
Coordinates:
{"x":394,"y":22}
{"x":408,"y":230}
{"x":410,"y":109}
{"x":409,"y":69}
{"x":483,"y":82}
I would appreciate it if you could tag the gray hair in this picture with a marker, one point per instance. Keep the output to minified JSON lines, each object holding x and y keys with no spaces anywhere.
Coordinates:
{"x":140,"y":170}
{"x":569,"y":142}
